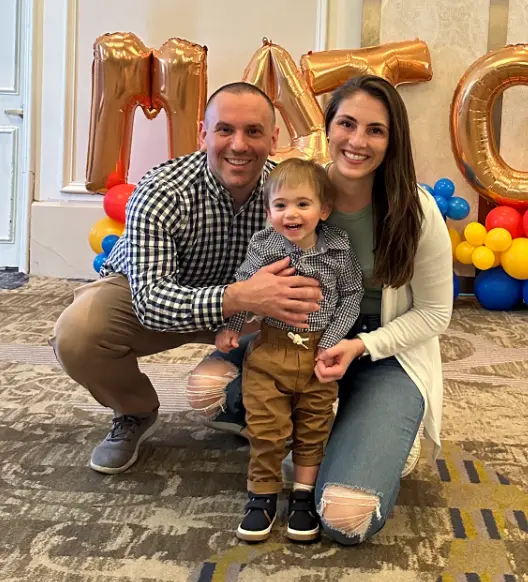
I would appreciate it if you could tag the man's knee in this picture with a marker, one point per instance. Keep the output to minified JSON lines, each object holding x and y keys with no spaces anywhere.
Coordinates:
{"x":347,"y":513}
{"x":77,"y":336}
{"x":207,"y":384}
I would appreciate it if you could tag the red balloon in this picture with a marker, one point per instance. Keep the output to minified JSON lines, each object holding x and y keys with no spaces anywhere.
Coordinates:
{"x":114,"y":178}
{"x":115,"y":201}
{"x":506,"y":217}
{"x":525,"y":223}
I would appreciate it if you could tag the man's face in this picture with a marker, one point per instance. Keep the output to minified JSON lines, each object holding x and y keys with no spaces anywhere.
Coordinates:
{"x":238,"y":134}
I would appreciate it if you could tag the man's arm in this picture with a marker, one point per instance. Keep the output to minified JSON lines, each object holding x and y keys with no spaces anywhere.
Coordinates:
{"x":274,"y":291}
{"x":252,"y":263}
{"x":161,"y":303}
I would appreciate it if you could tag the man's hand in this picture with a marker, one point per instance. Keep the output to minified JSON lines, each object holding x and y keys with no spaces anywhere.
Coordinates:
{"x":226,"y":340}
{"x":274,"y":291}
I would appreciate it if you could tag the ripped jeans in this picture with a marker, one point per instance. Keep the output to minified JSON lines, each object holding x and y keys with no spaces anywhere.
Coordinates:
{"x":379,"y":414}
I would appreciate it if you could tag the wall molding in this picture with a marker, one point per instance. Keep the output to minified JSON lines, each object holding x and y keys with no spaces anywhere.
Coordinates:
{"x":13,"y":132}
{"x":68,"y":183}
{"x":321,"y":25}
{"x":15,"y":89}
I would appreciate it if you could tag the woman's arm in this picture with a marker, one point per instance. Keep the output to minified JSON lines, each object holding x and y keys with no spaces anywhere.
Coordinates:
{"x":432,"y":293}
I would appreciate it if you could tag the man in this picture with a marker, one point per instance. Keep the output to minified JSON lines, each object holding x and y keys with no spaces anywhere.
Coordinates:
{"x":168,"y":280}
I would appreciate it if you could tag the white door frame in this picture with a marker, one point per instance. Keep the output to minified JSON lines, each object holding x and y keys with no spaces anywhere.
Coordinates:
{"x":31,"y":9}
{"x":25,"y":185}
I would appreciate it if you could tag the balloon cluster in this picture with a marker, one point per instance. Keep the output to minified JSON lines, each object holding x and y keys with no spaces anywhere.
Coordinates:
{"x":452,"y":207}
{"x":106,"y":231}
{"x":499,"y":249}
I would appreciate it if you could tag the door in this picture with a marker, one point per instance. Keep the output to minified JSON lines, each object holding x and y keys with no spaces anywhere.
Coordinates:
{"x":14,"y":145}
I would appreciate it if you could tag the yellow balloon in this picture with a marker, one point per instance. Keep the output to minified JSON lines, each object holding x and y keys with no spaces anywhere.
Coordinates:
{"x":455,"y":237}
{"x":103,"y":228}
{"x":483,"y":258}
{"x":463,"y":253}
{"x":515,"y":259}
{"x":497,"y":259}
{"x":498,"y":240}
{"x":475,"y":233}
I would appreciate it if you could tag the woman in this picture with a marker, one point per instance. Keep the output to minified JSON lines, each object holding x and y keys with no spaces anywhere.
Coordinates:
{"x":389,"y":368}
{"x":404,"y":250}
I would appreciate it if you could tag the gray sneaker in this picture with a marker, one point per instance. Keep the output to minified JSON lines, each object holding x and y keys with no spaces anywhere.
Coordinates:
{"x":119,"y":450}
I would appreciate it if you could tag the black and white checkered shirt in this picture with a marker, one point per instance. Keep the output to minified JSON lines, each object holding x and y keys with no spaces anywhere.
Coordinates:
{"x":183,"y":243}
{"x":331,"y":261}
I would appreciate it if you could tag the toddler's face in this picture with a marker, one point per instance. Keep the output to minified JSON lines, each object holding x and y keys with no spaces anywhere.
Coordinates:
{"x":295,"y":213}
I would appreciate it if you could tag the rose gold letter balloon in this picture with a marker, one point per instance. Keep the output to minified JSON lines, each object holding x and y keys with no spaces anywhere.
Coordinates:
{"x":472,"y":137}
{"x":273,"y":70}
{"x":120,"y":82}
{"x":179,"y":85}
{"x":398,"y":62}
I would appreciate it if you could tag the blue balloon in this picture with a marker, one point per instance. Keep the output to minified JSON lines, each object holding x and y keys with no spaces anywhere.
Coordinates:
{"x":98,"y":261}
{"x":458,"y":208}
{"x":496,"y":290}
{"x":108,"y":243}
{"x":444,"y":187}
{"x":443,"y":204}
{"x":427,"y":187}
{"x":456,"y":286}
{"x":525,"y":291}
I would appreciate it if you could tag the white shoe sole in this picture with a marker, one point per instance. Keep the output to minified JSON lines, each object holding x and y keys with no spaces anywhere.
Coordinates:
{"x":303,"y":536}
{"x":116,"y":470}
{"x":254,"y":536}
{"x":413,"y":458}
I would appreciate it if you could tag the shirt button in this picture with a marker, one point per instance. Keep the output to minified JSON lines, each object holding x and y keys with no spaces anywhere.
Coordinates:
{"x":364,"y":328}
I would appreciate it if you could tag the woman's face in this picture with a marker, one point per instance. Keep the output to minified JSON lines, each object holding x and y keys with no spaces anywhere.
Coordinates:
{"x":359,"y":135}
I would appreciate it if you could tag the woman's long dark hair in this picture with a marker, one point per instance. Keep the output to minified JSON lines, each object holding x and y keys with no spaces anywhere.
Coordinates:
{"x":397,"y":211}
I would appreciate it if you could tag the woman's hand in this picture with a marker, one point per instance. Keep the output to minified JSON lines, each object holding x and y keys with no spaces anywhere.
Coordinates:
{"x":332,"y":363}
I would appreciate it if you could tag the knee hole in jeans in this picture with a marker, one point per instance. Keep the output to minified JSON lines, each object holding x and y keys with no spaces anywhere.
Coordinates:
{"x":348,"y":510}
{"x":207,"y":383}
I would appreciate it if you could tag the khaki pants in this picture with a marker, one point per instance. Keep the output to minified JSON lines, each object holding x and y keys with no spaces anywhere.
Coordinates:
{"x":98,"y":340}
{"x":283,"y":398}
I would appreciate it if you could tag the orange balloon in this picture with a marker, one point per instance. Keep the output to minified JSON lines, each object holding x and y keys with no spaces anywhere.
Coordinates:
{"x":473,"y":144}
{"x":273,"y":70}
{"x":127,"y":74}
{"x":179,"y":86}
{"x":408,"y":61}
{"x":102,"y":228}
{"x":120,"y":82}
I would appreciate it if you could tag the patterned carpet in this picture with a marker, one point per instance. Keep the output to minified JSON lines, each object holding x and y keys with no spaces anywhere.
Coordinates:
{"x":172,"y":517}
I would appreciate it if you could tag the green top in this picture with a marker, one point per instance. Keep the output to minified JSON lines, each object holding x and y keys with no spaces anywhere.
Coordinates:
{"x":359,"y":227}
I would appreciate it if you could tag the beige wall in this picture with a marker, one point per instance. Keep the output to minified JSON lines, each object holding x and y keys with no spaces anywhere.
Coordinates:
{"x":514,"y":134}
{"x":456,"y":32}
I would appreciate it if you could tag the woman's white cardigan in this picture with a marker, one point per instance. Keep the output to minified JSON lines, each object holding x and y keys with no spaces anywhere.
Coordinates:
{"x":414,"y":315}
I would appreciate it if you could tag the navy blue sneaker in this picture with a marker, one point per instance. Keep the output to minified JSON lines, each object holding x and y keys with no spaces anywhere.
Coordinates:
{"x":303,"y":522}
{"x":259,"y":518}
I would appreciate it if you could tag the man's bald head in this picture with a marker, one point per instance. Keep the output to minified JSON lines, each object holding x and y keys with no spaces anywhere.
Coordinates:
{"x":240,"y":88}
